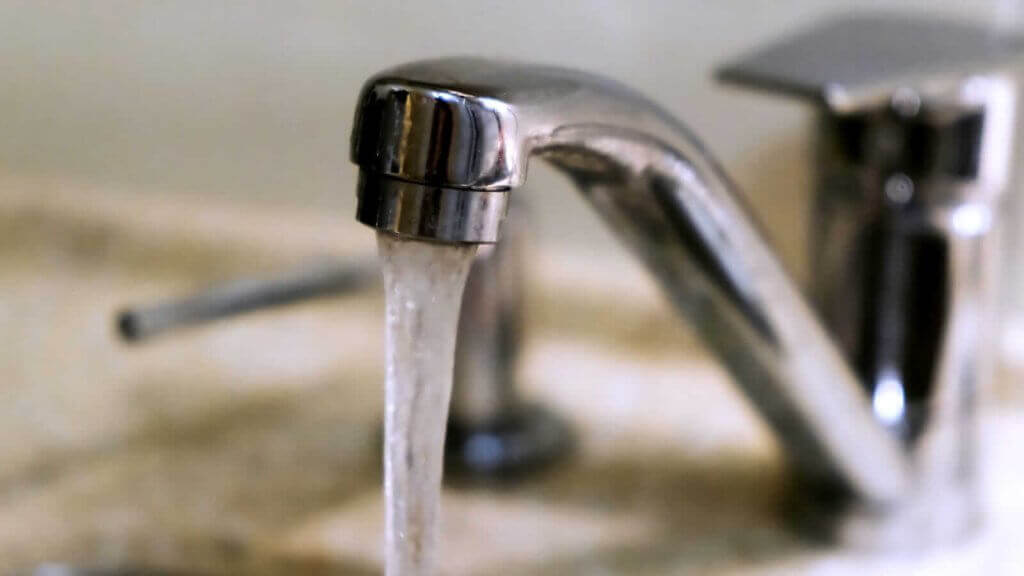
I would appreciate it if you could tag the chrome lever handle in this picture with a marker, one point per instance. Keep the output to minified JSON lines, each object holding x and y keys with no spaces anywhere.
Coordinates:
{"x":135,"y":324}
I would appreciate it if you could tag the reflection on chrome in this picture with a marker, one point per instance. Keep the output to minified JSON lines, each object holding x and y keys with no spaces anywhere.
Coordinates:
{"x":888,"y":399}
{"x":441,"y":144}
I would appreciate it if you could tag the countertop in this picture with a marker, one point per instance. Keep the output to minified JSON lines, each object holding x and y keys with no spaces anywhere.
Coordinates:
{"x":252,"y":446}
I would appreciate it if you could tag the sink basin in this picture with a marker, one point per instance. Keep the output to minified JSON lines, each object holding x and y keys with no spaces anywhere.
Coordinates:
{"x":252,"y":446}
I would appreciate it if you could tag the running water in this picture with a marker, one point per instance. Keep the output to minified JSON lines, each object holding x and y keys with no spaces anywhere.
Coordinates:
{"x":424,"y":284}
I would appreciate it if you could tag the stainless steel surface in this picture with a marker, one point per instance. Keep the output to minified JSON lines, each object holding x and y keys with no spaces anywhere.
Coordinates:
{"x":851,"y":61}
{"x":905,"y":200}
{"x":917,"y":132}
{"x":440,"y":213}
{"x":491,"y":330}
{"x":467,"y":125}
{"x":492,"y":431}
{"x":245,"y":295}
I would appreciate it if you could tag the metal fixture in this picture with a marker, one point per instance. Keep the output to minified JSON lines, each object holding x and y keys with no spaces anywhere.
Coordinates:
{"x":136,"y":324}
{"x":492,"y":432}
{"x":440,"y":145}
{"x":915,"y":133}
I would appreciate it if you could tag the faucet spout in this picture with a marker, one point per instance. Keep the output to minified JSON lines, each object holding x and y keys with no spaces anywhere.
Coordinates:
{"x":441,"y":143}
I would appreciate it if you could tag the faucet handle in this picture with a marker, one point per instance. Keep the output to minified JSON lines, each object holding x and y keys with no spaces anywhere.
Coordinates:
{"x":138,"y":323}
{"x":914,"y":149}
{"x":854,"y":62}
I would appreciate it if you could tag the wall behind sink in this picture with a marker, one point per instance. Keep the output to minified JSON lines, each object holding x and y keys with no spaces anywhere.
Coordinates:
{"x":253,"y":100}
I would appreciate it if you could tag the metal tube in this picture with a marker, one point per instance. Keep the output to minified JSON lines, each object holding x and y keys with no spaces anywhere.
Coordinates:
{"x":245,"y":295}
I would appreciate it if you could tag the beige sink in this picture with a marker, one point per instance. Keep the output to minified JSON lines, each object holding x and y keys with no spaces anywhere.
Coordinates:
{"x":251,"y":446}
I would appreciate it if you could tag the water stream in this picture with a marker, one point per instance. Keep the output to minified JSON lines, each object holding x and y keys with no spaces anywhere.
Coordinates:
{"x":424,"y":284}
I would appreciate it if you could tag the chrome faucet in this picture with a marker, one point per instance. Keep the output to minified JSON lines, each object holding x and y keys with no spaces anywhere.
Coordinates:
{"x":872,"y":393}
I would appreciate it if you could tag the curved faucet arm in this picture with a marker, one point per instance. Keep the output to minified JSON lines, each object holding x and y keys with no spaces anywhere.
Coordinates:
{"x":441,"y":142}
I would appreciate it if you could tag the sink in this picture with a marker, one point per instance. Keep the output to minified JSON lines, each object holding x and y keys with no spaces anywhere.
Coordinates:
{"x":252,"y":446}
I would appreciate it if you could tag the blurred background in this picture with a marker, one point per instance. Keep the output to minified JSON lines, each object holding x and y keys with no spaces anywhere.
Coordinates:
{"x":149,"y":149}
{"x":253,"y":101}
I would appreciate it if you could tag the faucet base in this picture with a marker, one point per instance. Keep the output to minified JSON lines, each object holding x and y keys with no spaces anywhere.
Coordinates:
{"x":523,"y":440}
{"x":930,"y":520}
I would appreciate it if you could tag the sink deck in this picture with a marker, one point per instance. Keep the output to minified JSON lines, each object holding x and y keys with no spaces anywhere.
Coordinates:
{"x":252,"y":446}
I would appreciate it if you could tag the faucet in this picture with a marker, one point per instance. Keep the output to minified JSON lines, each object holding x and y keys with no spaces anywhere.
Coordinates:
{"x":869,"y":387}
